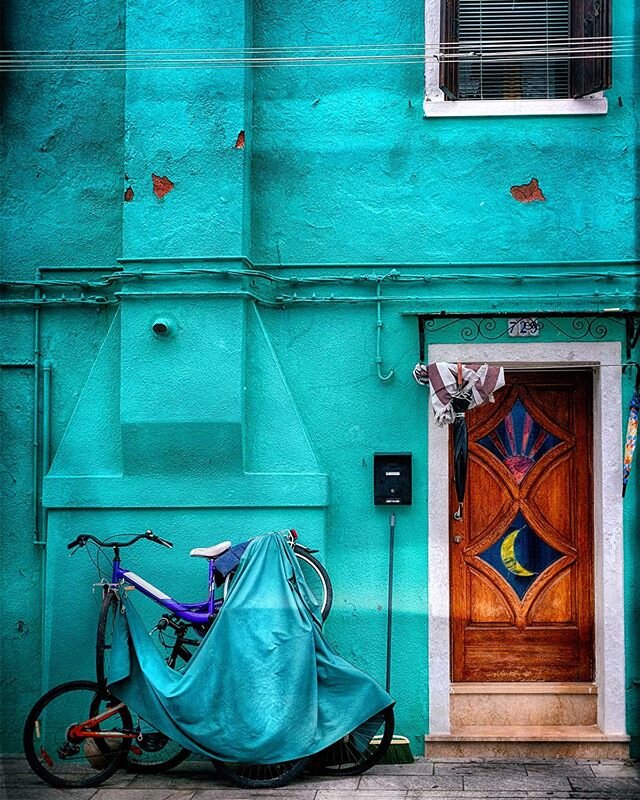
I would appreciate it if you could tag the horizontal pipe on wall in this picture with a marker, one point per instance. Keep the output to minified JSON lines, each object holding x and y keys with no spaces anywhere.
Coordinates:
{"x":80,"y":268}
{"x":293,"y":280}
{"x":370,"y":278}
{"x":57,"y":301}
{"x":16,"y":364}
{"x":378,"y":265}
{"x":234,"y":294}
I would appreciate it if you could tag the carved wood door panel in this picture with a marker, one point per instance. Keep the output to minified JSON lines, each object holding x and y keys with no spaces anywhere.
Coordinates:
{"x":522,"y":556}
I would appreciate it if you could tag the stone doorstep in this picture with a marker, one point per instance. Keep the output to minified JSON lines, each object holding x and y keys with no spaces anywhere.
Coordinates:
{"x":520,"y":733}
{"x":531,"y":704}
{"x":545,"y":741}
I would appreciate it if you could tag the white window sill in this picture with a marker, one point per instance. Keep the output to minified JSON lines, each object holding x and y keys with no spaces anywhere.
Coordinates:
{"x":438,"y":107}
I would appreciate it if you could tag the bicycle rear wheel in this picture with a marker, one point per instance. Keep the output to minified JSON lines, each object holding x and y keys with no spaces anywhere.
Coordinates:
{"x":64,"y":759}
{"x":317,"y":579}
{"x":260,"y":776}
{"x":359,"y":750}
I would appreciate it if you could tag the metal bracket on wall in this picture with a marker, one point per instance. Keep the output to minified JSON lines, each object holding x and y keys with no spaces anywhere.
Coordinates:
{"x":578,"y":325}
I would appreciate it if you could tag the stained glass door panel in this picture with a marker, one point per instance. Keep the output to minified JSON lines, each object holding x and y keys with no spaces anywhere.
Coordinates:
{"x":522,"y":556}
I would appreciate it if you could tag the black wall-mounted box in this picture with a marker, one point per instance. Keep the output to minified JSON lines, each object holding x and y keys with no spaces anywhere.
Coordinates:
{"x":392,"y":479}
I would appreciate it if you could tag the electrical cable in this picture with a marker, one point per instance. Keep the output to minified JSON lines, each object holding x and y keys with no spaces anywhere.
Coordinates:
{"x":305,"y":48}
{"x":484,"y":51}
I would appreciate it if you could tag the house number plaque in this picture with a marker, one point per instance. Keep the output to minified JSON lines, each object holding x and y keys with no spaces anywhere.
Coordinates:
{"x":524,"y":326}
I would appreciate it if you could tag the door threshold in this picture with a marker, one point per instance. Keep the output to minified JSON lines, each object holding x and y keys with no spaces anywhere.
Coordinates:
{"x":523,"y":687}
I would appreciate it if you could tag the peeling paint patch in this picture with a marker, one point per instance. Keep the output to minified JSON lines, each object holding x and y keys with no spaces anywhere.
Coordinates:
{"x":161,"y":185}
{"x":128,"y":194}
{"x":239,"y":145}
{"x":527,"y":192}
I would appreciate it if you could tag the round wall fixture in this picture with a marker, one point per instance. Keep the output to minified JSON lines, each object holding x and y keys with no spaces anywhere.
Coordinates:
{"x":163,"y":327}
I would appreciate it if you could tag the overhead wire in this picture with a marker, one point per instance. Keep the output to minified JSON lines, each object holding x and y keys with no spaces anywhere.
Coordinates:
{"x":293,"y":48}
{"x":483,"y":51}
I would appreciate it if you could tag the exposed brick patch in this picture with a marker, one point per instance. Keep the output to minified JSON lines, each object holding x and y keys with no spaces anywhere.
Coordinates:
{"x":128,"y":194}
{"x":161,"y":185}
{"x":239,"y":145}
{"x":527,"y":192}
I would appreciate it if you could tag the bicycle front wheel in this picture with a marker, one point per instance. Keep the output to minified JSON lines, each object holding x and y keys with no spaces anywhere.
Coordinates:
{"x":316,"y":578}
{"x":360,"y":749}
{"x":67,"y":759}
{"x":104,"y":637}
{"x":260,"y":776}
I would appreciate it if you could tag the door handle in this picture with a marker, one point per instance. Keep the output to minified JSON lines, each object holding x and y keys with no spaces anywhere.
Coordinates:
{"x":457,"y":539}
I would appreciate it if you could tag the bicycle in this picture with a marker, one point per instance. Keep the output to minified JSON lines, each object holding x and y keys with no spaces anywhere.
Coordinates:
{"x":155,"y":752}
{"x":87,"y":752}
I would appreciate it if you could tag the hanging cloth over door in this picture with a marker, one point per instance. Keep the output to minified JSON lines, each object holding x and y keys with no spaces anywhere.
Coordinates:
{"x":454,"y":389}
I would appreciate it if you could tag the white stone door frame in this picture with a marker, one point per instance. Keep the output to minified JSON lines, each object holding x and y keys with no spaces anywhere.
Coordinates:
{"x":608,"y":545}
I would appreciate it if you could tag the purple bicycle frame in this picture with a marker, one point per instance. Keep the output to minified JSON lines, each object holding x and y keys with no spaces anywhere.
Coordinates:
{"x":200,"y":613}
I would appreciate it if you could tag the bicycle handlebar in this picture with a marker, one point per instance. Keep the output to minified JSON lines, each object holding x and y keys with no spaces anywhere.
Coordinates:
{"x":80,"y":541}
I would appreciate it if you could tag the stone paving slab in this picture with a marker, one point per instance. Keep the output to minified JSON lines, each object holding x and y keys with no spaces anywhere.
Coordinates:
{"x":417,"y":768}
{"x":254,"y":794}
{"x":42,"y":792}
{"x":401,"y":795}
{"x":373,"y":783}
{"x":621,"y":769}
{"x":597,"y":784}
{"x":443,"y":779}
{"x":124,"y":794}
{"x":487,"y":782}
{"x":508,"y":768}
{"x":568,"y":770}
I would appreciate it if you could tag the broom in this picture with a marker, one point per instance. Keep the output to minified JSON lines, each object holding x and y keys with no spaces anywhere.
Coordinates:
{"x":399,"y":751}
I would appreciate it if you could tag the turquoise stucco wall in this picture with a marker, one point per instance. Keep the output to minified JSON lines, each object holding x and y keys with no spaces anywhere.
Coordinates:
{"x":260,"y":416}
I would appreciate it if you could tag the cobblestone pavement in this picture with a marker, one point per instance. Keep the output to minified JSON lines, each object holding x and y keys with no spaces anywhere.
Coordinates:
{"x":443,"y":779}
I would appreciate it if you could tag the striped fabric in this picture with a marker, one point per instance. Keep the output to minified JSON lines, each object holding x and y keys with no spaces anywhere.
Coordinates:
{"x":479,"y":382}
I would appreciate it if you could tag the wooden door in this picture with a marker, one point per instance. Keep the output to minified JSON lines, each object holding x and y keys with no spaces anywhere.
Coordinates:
{"x":522,"y":556}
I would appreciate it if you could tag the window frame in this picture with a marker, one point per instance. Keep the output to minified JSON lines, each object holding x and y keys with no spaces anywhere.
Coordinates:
{"x":436,"y":105}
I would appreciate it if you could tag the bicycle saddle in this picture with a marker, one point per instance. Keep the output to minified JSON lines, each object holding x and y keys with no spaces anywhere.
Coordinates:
{"x":211,"y":552}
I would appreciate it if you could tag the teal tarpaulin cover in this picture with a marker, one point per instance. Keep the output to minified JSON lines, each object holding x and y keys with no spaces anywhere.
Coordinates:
{"x":263,"y":686}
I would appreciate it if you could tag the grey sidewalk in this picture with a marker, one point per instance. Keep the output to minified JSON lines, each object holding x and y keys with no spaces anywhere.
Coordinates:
{"x":424,"y":780}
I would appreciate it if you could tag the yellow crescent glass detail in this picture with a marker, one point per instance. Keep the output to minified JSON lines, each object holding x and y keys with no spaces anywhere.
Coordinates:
{"x":508,"y":555}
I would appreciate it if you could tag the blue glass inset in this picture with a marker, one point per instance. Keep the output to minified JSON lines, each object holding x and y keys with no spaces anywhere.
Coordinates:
{"x":518,"y":441}
{"x":520,"y":555}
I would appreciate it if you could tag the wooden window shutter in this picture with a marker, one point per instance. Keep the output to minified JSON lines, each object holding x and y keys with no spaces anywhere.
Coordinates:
{"x":590,"y":21}
{"x":449,"y":36}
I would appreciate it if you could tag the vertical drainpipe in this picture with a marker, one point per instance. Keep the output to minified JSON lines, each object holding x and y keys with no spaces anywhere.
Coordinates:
{"x":46,"y":442}
{"x":46,"y":458}
{"x":35,"y":510}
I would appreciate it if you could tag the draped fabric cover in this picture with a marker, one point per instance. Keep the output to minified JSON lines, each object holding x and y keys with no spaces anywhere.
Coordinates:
{"x":263,"y":686}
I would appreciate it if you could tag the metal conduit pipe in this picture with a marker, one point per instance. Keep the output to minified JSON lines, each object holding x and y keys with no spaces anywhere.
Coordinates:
{"x":58,"y":301}
{"x":46,"y":445}
{"x":372,"y":278}
{"x":260,"y":271}
{"x":35,"y":511}
{"x":389,"y":375}
{"x":44,"y":523}
{"x":379,"y":265}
